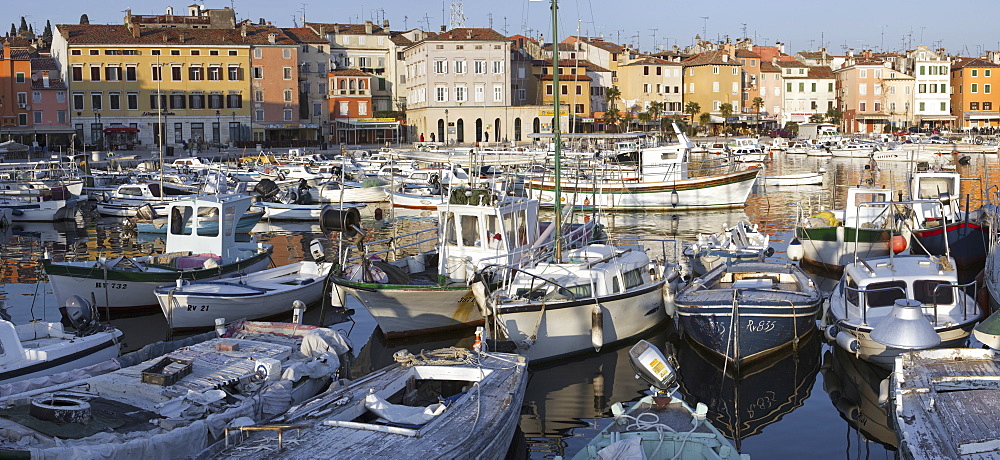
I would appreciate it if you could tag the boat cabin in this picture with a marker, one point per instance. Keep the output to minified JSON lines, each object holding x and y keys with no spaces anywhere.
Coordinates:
{"x":610,"y":271}
{"x":942,"y":187}
{"x":857,"y":213}
{"x":872,"y":286}
{"x":205,"y":224}
{"x":478,"y":228}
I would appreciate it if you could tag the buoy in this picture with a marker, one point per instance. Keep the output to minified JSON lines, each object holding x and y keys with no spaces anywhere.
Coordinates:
{"x":897,"y":243}
{"x":478,"y":344}
{"x":830,"y":333}
{"x":675,"y":198}
{"x":795,"y":251}
{"x":597,"y":327}
{"x":378,"y":214}
{"x":848,"y":342}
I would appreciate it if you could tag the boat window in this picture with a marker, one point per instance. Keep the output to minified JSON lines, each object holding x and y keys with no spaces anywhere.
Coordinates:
{"x":180,"y":220}
{"x":229,"y":220}
{"x":885,"y":294}
{"x":493,"y":232}
{"x":616,"y":286}
{"x":579,"y":291}
{"x":927,"y":292}
{"x":470,"y":231}
{"x":632,"y":278}
{"x":852,"y":293}
{"x":931,"y":187}
{"x":130,"y":191}
{"x":508,"y":225}
{"x":869,"y":198}
{"x":208,"y":221}
{"x":449,"y":229}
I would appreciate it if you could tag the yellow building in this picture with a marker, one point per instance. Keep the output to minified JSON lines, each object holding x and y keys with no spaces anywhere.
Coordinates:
{"x":712,"y":79}
{"x":574,"y":85}
{"x":194,"y":82}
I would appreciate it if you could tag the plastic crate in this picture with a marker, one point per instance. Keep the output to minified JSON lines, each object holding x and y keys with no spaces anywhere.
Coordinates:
{"x":166,"y":371}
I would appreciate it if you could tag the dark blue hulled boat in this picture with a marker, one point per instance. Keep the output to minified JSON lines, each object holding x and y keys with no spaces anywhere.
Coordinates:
{"x":746,"y":311}
{"x":939,"y":224}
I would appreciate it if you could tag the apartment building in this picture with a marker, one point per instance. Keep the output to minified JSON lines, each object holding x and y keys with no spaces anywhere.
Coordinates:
{"x":370,"y":48}
{"x":648,"y":79}
{"x":859,"y":92}
{"x":770,"y":87}
{"x":15,"y":89}
{"x":49,"y":106}
{"x":712,"y":79}
{"x":808,"y":90}
{"x":974,"y":103}
{"x":313,"y":71}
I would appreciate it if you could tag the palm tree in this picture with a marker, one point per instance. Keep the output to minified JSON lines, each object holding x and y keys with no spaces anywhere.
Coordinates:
{"x":705,"y":119}
{"x":611,"y":118}
{"x":692,"y":108}
{"x":757,"y":103}
{"x":655,"y":109}
{"x":645,"y":118}
{"x":725,"y":110}
{"x":613,"y":95}
{"x":815,"y":118}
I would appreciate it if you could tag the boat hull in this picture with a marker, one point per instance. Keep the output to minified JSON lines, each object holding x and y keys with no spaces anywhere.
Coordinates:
{"x":408,"y":201}
{"x":710,"y":192}
{"x":967,"y":241}
{"x":120,"y":290}
{"x":404,"y":310}
{"x":884,"y":357}
{"x":271,"y":294}
{"x":565,"y":328}
{"x":747,"y":332}
{"x":41,"y":211}
{"x":834,"y":247}
{"x":91,"y":349}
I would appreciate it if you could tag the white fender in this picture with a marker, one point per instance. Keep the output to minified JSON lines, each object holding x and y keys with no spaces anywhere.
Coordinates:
{"x":597,"y":327}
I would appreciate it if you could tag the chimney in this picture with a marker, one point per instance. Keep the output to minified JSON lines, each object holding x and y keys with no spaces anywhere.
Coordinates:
{"x":243,"y":30}
{"x":322,"y":32}
{"x":385,"y":25}
{"x":135,"y":30}
{"x":182,"y":36}
{"x":272,"y":38}
{"x":725,"y":57}
{"x":45,"y":79}
{"x":444,"y":28}
{"x":368,"y":27}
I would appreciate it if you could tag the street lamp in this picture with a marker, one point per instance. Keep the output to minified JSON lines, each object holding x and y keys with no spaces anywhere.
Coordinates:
{"x":446,"y":127}
{"x":218,"y":131}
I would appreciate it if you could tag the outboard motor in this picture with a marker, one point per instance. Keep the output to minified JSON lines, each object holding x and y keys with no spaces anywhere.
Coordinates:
{"x":266,"y":190}
{"x":80,"y":315}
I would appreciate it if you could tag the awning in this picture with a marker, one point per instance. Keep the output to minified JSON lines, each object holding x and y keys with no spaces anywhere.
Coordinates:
{"x":356,"y":125}
{"x":936,"y":117}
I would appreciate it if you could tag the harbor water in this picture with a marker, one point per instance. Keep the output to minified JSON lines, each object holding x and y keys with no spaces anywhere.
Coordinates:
{"x":814,"y":402}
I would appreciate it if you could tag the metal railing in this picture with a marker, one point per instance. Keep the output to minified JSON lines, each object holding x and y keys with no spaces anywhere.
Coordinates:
{"x":958,"y":295}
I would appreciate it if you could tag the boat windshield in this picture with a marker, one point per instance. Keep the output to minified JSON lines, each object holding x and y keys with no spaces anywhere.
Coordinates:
{"x":927,"y":292}
{"x":882,"y":294}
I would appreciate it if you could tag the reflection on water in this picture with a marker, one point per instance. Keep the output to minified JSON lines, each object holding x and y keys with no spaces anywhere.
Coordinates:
{"x":567,"y":401}
{"x":742,"y":402}
{"x":853,"y":386}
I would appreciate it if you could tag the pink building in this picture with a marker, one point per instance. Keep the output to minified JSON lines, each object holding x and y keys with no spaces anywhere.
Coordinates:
{"x":274,"y":80}
{"x":350,"y":107}
{"x":49,"y":105}
{"x":860,"y":94}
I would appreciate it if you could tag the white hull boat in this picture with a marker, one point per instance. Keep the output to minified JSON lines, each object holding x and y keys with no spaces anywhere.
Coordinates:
{"x":253,"y":296}
{"x":40,"y":349}
{"x":299,"y":212}
{"x":793,"y":179}
{"x":334,"y":192}
{"x":25,"y":209}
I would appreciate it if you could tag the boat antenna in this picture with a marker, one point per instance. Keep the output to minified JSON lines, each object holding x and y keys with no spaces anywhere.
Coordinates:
{"x":557,"y":235}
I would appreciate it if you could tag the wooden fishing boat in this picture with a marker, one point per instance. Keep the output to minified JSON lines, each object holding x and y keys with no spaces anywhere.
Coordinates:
{"x":746,"y":311}
{"x":832,"y":238}
{"x":944,"y":403}
{"x":449,"y":403}
{"x":940,"y":225}
{"x":252,"y":296}
{"x":793,"y":179}
{"x":176,"y":404}
{"x":195,"y":251}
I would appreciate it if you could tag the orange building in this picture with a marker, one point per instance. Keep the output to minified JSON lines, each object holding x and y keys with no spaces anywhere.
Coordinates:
{"x":974,"y":103}
{"x":15,"y":89}
{"x":350,"y":107}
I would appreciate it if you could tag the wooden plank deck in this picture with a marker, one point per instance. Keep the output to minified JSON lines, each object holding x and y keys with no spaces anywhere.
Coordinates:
{"x":947,"y":404}
{"x":480,"y":424}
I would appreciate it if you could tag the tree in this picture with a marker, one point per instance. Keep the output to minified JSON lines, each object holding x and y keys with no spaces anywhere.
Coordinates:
{"x":655,"y":109}
{"x":611,"y":118}
{"x":47,"y":33}
{"x":834,"y":115}
{"x":757,"y":103}
{"x":645,"y":118}
{"x":613,"y":115}
{"x":24,"y":27}
{"x":84,"y":20}
{"x":13,"y":31}
{"x":692,"y":108}
{"x":815,"y":118}
{"x":705,"y":119}
{"x":725,"y":110}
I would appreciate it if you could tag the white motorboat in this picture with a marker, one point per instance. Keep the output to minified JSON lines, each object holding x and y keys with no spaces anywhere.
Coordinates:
{"x":749,"y":154}
{"x":31,"y":204}
{"x":793,"y":179}
{"x":871,"y":289}
{"x":298,"y":212}
{"x":39,"y":348}
{"x":854,"y":150}
{"x":349,"y":192}
{"x":126,"y":200}
{"x":577,"y":303}
{"x":252,"y":296}
{"x":740,"y":243}
{"x":448,"y":403}
{"x":201,"y":245}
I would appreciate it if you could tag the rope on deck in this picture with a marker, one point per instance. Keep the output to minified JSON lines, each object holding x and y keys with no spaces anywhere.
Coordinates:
{"x":440,"y":357}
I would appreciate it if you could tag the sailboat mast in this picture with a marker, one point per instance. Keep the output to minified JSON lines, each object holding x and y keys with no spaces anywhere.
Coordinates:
{"x":557,"y":235}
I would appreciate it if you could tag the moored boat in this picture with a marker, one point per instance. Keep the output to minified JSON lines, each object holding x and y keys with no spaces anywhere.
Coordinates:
{"x":739,"y":243}
{"x":747,"y":311}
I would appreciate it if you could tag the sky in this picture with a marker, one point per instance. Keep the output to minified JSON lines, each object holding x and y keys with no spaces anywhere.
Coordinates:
{"x":649,"y":24}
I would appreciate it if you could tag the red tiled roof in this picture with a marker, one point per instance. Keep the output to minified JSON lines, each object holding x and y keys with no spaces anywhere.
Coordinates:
{"x":469,"y":33}
{"x":565,"y":77}
{"x":101,"y":34}
{"x":349,"y":73}
{"x":649,"y":60}
{"x":352,"y":29}
{"x":746,"y":54}
{"x":961,"y":62}
{"x":303,"y":35}
{"x":44,"y":63}
{"x":599,"y":43}
{"x":708,"y":58}
{"x":766,"y":66}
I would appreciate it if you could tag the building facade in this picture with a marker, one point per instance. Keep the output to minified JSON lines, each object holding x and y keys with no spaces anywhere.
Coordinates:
{"x":975,"y":103}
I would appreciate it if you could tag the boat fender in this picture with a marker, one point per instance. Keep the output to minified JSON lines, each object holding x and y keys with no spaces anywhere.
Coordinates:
{"x":669,"y":305}
{"x":17,"y":212}
{"x":597,"y":327}
{"x":883,"y":392}
{"x":830,"y":333}
{"x":769,"y":252}
{"x":795,"y":252}
{"x":848,"y":342}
